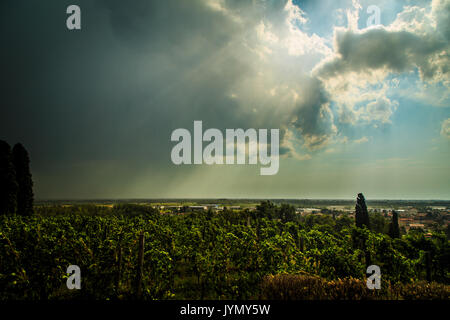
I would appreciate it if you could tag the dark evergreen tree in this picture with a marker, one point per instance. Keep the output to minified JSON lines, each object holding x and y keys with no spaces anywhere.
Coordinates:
{"x":8,"y":182}
{"x":266,"y":210}
{"x":286,"y":213}
{"x":25,"y":195}
{"x":394,"y":229}
{"x":361,"y":214}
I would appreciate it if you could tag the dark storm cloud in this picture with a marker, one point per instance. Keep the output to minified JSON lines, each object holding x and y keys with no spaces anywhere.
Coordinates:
{"x":96,"y":107}
{"x":313,"y":118}
{"x":183,"y":31}
{"x":101,"y":102}
{"x":311,"y":107}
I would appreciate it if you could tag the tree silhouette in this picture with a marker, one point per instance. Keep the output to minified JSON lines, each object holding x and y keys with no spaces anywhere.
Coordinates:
{"x":361,"y":214}
{"x":25,"y":196}
{"x":286,"y":213}
{"x":394,"y":229}
{"x":266,"y":209}
{"x":8,"y":182}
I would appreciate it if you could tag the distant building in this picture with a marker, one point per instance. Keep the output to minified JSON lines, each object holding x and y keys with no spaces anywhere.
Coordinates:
{"x":309,"y":210}
{"x":416,"y":226}
{"x":211,"y":206}
{"x":405,"y":220}
{"x":173,"y":209}
{"x":198,"y":208}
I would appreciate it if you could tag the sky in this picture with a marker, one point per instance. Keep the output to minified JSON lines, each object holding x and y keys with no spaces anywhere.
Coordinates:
{"x":362,"y":104}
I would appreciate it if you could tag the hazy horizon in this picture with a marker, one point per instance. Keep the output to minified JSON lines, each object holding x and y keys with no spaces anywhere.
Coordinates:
{"x":237,"y":199}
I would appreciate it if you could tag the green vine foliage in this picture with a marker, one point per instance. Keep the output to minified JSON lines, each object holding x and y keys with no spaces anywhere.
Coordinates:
{"x":204,"y":255}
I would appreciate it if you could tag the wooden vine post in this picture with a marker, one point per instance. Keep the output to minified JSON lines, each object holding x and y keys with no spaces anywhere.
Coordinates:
{"x":140,"y":266}
{"x":428,"y":265}
{"x":119,"y":263}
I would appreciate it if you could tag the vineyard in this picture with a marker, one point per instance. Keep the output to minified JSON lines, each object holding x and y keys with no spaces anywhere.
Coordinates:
{"x":210,"y":255}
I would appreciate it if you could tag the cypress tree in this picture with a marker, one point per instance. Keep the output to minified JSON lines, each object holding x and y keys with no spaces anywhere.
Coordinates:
{"x":394,"y":229}
{"x":361,"y":214}
{"x":25,"y":195}
{"x":8,"y":182}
